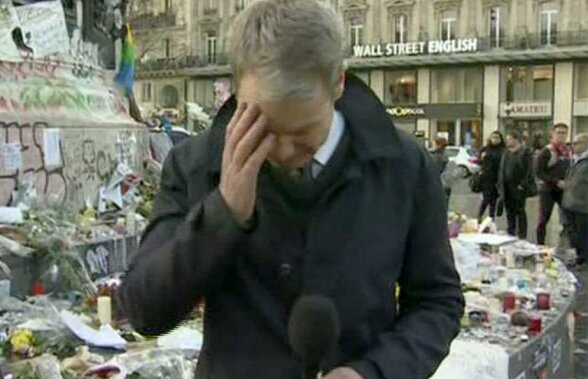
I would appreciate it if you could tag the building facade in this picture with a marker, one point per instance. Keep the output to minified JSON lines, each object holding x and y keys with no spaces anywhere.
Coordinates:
{"x":459,"y":69}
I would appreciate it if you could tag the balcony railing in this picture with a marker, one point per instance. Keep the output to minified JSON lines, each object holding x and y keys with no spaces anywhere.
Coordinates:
{"x":151,"y":21}
{"x":529,"y":41}
{"x":517,"y":42}
{"x":533,"y":41}
{"x":192,"y":61}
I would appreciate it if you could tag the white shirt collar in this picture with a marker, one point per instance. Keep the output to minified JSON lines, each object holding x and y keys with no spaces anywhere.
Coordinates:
{"x":325,"y":152}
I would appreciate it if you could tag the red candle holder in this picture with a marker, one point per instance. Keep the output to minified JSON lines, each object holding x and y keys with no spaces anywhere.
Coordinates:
{"x":509,"y":302}
{"x":543,"y":301}
{"x":535,"y":324}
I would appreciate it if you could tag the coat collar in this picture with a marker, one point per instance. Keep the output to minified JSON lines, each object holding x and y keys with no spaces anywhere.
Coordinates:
{"x":372,"y":132}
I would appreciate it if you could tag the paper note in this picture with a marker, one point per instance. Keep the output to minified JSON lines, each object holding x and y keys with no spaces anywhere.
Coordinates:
{"x":12,"y":153}
{"x":51,"y":138}
{"x":105,"y":337}
{"x":8,"y":22}
{"x":44,"y":28}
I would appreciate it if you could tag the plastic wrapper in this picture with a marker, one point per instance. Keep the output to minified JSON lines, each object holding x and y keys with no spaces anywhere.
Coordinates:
{"x":48,"y":368}
{"x":467,"y":256}
{"x":159,"y":363}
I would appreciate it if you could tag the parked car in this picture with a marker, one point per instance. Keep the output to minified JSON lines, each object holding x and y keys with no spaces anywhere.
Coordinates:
{"x":465,"y":158}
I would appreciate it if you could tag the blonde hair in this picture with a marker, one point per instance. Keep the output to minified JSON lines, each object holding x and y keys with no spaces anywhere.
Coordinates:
{"x":288,"y":44}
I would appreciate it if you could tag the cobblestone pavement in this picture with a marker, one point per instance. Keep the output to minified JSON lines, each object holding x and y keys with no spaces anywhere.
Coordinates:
{"x":463,"y":200}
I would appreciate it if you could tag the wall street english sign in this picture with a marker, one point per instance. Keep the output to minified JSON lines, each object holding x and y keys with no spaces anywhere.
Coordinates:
{"x":454,"y":46}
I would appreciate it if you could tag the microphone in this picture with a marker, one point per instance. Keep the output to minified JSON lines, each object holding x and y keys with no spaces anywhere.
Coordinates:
{"x":313,"y":330}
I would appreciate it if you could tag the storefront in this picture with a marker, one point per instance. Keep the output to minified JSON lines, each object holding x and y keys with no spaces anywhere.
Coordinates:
{"x":533,"y":120}
{"x":460,"y":124}
{"x":456,"y":105}
{"x":527,"y":102}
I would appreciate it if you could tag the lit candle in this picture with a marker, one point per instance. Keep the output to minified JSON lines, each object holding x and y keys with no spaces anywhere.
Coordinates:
{"x":104,"y":310}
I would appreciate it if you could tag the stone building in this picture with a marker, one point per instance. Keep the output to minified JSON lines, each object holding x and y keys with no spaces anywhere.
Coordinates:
{"x":452,"y":68}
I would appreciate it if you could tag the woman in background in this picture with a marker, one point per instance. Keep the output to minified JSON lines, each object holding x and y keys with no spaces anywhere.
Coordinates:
{"x":490,"y":157}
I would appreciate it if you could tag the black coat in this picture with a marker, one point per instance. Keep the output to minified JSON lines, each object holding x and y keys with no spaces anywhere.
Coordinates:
{"x":490,"y":158}
{"x":382,"y":223}
{"x":520,"y":166}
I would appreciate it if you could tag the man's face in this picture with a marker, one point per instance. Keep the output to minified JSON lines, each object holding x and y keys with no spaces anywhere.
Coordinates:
{"x":511,"y":142}
{"x":300,"y":127}
{"x":560,"y":135}
{"x":495,"y":139}
{"x":580,"y":146}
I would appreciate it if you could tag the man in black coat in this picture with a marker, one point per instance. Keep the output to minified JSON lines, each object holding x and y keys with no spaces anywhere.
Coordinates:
{"x":302,"y":186}
{"x":552,"y":165}
{"x":516,"y":182}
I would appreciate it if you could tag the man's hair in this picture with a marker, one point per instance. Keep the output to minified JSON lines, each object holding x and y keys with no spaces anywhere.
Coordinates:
{"x":582,"y":137}
{"x":516,"y":135}
{"x":561,"y":125}
{"x":288,"y":44}
{"x":441,"y":142}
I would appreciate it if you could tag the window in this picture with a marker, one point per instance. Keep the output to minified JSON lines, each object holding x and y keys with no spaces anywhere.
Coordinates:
{"x":581,"y":81}
{"x":241,"y":4}
{"x":548,"y":24}
{"x":170,"y":96}
{"x":448,"y":25}
{"x":528,"y":83}
{"x":147,"y":94}
{"x":210,"y":5}
{"x":204,"y":93}
{"x":168,"y":5}
{"x":497,"y":22}
{"x":167,"y":47}
{"x":400,"y":87}
{"x":356,"y":34}
{"x":451,"y":85}
{"x":400,"y":28}
{"x":211,"y":41}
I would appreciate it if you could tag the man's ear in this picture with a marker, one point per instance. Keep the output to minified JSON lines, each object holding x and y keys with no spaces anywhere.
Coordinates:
{"x":340,"y":85}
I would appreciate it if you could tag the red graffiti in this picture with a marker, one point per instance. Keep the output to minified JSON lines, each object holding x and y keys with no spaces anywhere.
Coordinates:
{"x":45,"y":68}
{"x":46,"y":180}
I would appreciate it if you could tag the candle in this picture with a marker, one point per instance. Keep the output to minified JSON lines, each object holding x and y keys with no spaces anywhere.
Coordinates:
{"x":104,"y":310}
{"x":534,"y":324}
{"x":509,"y":302}
{"x":543,"y":301}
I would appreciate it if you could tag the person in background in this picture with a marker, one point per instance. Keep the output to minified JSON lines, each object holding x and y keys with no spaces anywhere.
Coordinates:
{"x":441,"y":160}
{"x":552,"y":163}
{"x":516,"y":170}
{"x":575,"y":198}
{"x":490,"y":157}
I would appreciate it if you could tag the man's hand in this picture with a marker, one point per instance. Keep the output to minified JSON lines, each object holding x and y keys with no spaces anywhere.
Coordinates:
{"x":343,"y":373}
{"x":561,"y":184}
{"x":246,"y":148}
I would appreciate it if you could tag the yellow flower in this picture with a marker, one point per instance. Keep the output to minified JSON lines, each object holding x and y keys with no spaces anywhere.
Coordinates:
{"x":21,"y":340}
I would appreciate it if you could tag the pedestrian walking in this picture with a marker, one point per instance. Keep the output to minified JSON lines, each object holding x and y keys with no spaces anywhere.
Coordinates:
{"x":441,"y":160}
{"x":551,"y":166}
{"x":302,"y":186}
{"x":515,"y":183}
{"x":490,"y":157}
{"x":575,"y":198}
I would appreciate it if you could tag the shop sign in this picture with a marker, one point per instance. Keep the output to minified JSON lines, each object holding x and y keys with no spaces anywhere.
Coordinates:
{"x":526,"y":109}
{"x":406,"y":111}
{"x":454,"y":46}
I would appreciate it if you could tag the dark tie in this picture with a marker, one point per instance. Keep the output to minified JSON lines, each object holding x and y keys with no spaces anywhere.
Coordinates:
{"x":309,"y":172}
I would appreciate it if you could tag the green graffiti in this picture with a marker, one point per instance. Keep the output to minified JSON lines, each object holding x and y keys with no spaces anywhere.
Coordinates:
{"x":48,"y":94}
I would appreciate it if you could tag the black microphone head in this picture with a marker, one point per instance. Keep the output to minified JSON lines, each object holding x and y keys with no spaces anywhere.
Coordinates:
{"x":313,"y":328}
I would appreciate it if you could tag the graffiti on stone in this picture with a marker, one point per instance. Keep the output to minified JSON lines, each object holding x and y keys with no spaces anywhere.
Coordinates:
{"x":97,"y":260}
{"x":32,"y":163}
{"x":28,"y":68}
